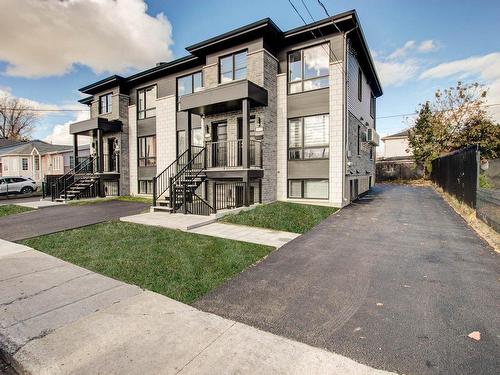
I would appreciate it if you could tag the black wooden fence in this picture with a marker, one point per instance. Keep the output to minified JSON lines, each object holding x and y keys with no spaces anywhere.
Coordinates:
{"x":457,"y":174}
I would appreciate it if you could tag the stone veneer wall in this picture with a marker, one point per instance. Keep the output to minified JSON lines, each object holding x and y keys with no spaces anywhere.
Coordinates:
{"x":132,"y":134}
{"x":123,"y":139}
{"x":165,"y":132}
{"x":282,"y":125}
{"x":337,"y":144}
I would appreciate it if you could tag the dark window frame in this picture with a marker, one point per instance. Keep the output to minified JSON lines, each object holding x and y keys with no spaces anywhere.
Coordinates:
{"x":109,"y":103}
{"x":139,"y":186}
{"x":192,"y":82}
{"x":232,"y":54}
{"x":303,"y":148}
{"x":302,"y":188}
{"x":146,"y":109}
{"x":359,"y":140}
{"x":146,"y":158}
{"x":360,"y":84}
{"x":289,"y":83}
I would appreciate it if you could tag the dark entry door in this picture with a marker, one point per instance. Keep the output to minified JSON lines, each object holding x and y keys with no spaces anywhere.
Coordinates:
{"x":219,"y":145}
{"x":110,"y":163}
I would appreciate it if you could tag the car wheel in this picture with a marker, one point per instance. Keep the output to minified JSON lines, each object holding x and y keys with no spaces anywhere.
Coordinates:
{"x":26,"y":190}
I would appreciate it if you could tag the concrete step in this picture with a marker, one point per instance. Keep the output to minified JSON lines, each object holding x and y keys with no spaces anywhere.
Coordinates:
{"x":161,"y":209}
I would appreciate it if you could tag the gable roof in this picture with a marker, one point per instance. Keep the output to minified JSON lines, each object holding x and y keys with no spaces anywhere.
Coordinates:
{"x":25,"y":148}
{"x":403,"y":134}
{"x":8,"y":142}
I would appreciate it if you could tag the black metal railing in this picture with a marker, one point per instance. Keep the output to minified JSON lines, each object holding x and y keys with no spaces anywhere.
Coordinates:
{"x":229,"y":154}
{"x":161,"y":183}
{"x":229,"y":195}
{"x":61,"y":185}
{"x":183,"y":185}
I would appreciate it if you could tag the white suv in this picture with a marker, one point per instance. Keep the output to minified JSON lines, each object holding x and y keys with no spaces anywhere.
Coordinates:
{"x":17,"y":185}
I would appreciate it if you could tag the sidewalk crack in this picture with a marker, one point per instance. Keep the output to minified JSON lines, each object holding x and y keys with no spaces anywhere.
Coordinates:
{"x":206,"y":347}
{"x":43,"y":290}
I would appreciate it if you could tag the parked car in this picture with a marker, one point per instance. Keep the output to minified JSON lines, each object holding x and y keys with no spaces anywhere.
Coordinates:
{"x":17,"y":185}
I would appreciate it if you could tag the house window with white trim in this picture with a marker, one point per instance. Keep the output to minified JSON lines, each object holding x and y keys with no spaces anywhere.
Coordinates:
{"x":24,"y":162}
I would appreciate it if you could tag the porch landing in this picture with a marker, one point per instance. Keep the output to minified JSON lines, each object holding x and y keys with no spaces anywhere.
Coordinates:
{"x":207,"y":225}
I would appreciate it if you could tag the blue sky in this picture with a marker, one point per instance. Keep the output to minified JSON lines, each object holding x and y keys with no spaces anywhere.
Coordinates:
{"x":461,"y":35}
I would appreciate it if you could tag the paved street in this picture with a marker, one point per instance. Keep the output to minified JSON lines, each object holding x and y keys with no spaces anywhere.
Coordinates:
{"x":56,"y":219}
{"x":57,"y":318}
{"x":396,"y":281}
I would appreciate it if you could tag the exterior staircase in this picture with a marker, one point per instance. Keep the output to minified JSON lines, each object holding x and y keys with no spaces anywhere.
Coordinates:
{"x":85,"y":187}
{"x":179,"y":193}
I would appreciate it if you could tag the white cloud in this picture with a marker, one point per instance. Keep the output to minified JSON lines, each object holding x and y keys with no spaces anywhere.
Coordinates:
{"x":402,"y":65}
{"x":427,"y":46}
{"x":485,"y":69}
{"x":60,"y":133}
{"x":393,"y":73}
{"x":6,"y":91}
{"x":105,"y":35}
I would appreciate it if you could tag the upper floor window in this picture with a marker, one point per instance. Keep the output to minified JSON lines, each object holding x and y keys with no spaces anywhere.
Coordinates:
{"x":147,"y":151}
{"x":146,"y":102}
{"x":360,"y":84}
{"x":372,"y":105}
{"x":105,"y":104}
{"x":308,"y":137}
{"x":233,"y":67}
{"x":189,"y":84}
{"x":308,"y":69}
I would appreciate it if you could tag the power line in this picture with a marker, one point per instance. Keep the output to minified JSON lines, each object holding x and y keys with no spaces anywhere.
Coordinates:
{"x":416,"y":113}
{"x":45,"y":110}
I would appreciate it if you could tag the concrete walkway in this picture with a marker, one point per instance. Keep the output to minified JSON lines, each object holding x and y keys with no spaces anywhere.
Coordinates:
{"x":245,"y":233}
{"x":39,"y":204}
{"x":396,"y":281}
{"x":64,"y":217}
{"x":57,"y":318}
{"x":208,"y":226}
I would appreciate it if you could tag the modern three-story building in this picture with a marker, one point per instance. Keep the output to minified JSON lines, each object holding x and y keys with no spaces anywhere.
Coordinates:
{"x":255,"y":114}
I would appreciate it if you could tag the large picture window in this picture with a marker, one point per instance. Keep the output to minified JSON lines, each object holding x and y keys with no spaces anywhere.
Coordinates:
{"x":105,"y":104}
{"x":308,"y":189}
{"x":233,"y":67}
{"x":147,"y":151}
{"x":189,"y":84}
{"x":308,"y":69}
{"x":308,"y":137}
{"x":146,"y":102}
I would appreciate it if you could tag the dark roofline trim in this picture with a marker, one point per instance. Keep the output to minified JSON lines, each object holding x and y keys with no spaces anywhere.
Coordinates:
{"x":86,"y":100}
{"x":106,"y":81}
{"x":311,"y":26}
{"x":265,"y":22}
{"x":162,"y":66}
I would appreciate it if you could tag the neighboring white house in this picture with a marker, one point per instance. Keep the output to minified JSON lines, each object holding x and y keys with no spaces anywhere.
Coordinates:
{"x":69,"y":158}
{"x":397,"y":146}
{"x":34,"y":159}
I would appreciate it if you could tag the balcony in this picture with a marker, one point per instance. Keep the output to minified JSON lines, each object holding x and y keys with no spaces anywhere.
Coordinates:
{"x":109,"y":163}
{"x":230,"y":154}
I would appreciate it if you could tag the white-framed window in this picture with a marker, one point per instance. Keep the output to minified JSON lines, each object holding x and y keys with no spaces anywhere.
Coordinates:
{"x":308,"y":69}
{"x":56,"y":163}
{"x":24,"y":163}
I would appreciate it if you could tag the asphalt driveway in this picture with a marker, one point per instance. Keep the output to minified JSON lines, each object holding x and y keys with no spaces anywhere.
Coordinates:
{"x":396,"y":281}
{"x":64,"y":217}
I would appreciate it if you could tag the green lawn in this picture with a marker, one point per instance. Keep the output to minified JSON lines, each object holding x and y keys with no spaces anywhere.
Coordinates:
{"x":180,"y":265}
{"x":12,"y":209}
{"x":289,"y":217}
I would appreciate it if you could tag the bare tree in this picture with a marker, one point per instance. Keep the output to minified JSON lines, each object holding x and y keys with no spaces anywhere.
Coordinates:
{"x":17,"y":119}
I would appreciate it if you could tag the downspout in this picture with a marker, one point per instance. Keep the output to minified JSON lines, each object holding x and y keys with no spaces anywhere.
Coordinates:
{"x":346,"y":117}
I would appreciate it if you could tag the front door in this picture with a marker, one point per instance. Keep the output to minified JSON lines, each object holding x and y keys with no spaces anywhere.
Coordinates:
{"x":219,"y":144}
{"x":110,"y":163}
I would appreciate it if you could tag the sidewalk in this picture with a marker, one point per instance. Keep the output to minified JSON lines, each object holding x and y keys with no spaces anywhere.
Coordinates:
{"x":57,"y":318}
{"x":208,"y":226}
